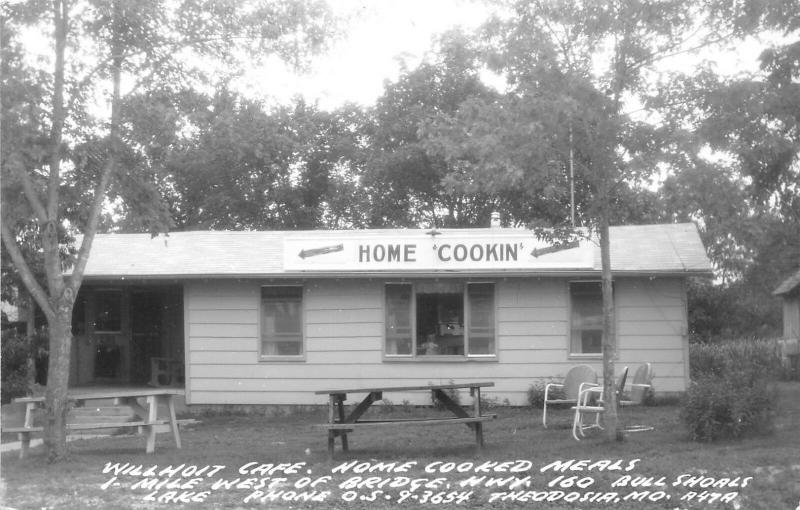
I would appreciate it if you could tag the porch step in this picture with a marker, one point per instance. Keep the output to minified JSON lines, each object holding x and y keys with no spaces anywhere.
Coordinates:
{"x":104,"y":414}
{"x":94,"y":413}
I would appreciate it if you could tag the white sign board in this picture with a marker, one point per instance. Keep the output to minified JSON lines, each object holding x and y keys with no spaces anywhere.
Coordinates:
{"x":426,"y":252}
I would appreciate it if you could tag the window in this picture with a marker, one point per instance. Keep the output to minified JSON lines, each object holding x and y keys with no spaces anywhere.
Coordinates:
{"x":107,"y":311}
{"x":480,"y":297}
{"x":440,"y":319}
{"x":281,"y":321}
{"x":399,"y":338}
{"x":587,"y":318}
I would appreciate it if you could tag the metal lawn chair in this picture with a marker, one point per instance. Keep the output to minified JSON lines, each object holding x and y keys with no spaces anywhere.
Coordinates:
{"x":642,"y":382}
{"x":586,"y":407}
{"x":577,"y":379}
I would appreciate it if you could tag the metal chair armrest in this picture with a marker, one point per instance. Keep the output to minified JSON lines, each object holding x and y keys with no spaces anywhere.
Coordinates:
{"x":586,"y":389}
{"x":547,"y":389}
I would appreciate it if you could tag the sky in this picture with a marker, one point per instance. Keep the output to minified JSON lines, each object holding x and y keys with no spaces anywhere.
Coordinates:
{"x":379,"y":34}
{"x":382,"y":34}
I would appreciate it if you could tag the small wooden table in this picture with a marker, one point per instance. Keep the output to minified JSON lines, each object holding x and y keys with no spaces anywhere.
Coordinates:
{"x":146,"y":417}
{"x":339,"y":425}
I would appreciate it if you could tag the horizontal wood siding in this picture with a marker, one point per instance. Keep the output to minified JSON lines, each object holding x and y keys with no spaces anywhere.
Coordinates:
{"x":791,"y":317}
{"x":652,"y":327}
{"x":344,"y":323}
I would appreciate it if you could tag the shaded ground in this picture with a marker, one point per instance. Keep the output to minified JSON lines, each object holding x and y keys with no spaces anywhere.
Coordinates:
{"x":665,"y":454}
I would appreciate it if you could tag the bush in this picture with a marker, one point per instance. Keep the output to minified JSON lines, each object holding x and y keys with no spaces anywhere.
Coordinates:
{"x":723,"y":408}
{"x":748,"y":359}
{"x":733,"y":389}
{"x":489,"y":403}
{"x":453,"y":393}
{"x":14,"y":363}
{"x":649,"y":399}
{"x":536,"y":393}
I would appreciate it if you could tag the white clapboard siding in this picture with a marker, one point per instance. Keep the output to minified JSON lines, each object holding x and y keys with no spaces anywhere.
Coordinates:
{"x":328,"y":344}
{"x":223,"y":316}
{"x":344,"y":328}
{"x":528,"y":342}
{"x":530,"y":314}
{"x":529,"y":356}
{"x":342,"y":315}
{"x":673,"y":313}
{"x":534,"y":293}
{"x":635,"y":356}
{"x":533,"y":328}
{"x":390,"y":372}
{"x":791,"y":316}
{"x":200,"y":344}
{"x":652,"y":328}
{"x":648,"y":342}
{"x":223,"y":330}
{"x":222,"y":295}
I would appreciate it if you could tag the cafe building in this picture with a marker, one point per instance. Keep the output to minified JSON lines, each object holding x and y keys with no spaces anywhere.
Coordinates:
{"x":271,"y":317}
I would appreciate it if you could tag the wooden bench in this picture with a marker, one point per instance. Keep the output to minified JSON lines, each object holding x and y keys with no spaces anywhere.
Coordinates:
{"x":147,"y":422}
{"x":340,"y":425}
{"x":24,"y":434}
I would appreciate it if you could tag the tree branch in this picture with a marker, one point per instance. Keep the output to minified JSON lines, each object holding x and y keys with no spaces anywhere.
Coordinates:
{"x":56,"y":130}
{"x":30,"y":193}
{"x":28,"y":279}
{"x":75,"y":279}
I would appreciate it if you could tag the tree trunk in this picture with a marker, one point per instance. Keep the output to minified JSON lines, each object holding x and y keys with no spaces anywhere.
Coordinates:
{"x":56,"y":403}
{"x":609,"y":334}
{"x":30,"y":337}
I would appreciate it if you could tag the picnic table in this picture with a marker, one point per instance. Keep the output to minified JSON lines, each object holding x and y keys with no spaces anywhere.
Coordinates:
{"x":145,"y":417}
{"x":340,"y":424}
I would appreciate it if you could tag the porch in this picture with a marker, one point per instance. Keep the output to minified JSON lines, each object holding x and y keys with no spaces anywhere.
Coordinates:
{"x":128,"y":334}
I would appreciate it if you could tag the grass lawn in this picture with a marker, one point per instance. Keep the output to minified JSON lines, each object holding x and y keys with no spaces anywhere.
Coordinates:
{"x":760,"y":473}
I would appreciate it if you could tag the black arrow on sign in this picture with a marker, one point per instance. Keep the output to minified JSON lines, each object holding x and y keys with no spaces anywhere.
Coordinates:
{"x":538,"y":252}
{"x":320,"y":251}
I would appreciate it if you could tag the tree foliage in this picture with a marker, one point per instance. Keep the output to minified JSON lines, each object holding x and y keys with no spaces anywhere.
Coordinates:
{"x":137,"y":105}
{"x":409,"y":185}
{"x":248,"y":168}
{"x":67,"y":159}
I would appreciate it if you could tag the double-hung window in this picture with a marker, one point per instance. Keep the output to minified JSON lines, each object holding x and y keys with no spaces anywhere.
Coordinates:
{"x":440,"y":319}
{"x":586,"y":301}
{"x":282,"y":322}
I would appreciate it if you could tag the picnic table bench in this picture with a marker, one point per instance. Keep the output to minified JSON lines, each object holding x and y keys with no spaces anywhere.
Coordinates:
{"x":146,"y":418}
{"x":340,"y":425}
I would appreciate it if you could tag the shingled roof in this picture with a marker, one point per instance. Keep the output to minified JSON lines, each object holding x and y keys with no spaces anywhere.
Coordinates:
{"x":788,"y":285}
{"x":641,"y":249}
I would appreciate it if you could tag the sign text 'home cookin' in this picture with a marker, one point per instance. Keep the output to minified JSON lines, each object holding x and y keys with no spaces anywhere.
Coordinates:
{"x":444,"y":252}
{"x":423,"y":252}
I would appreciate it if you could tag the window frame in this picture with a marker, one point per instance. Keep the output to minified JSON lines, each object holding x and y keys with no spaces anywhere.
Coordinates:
{"x":414,"y":356}
{"x":570,"y":309}
{"x":282,"y":357}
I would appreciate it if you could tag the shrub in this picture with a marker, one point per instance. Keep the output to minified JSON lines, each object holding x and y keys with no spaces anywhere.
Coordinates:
{"x":649,"y":399}
{"x":723,"y":408}
{"x":488,"y":403}
{"x":453,"y":393}
{"x":733,"y":389}
{"x":749,"y":359}
{"x":536,"y":393}
{"x":14,"y":362}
